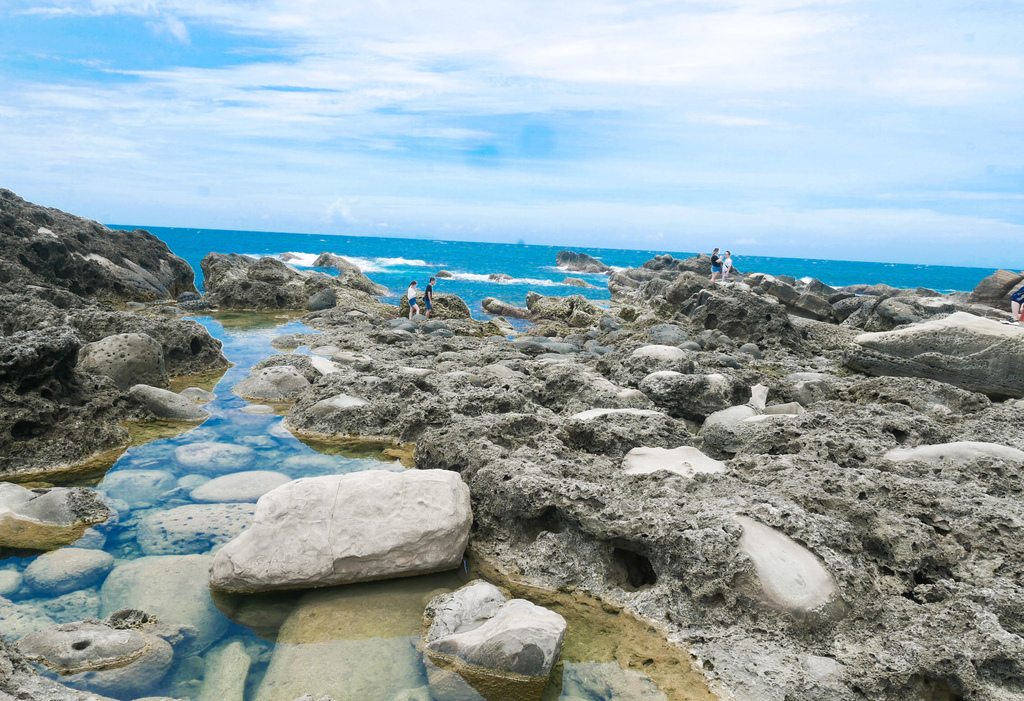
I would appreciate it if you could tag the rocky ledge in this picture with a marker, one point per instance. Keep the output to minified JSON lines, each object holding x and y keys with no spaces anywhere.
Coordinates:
{"x":69,"y":353}
{"x":818,"y":512}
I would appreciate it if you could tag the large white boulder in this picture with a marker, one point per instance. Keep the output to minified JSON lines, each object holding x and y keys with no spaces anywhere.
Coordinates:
{"x":323,"y":531}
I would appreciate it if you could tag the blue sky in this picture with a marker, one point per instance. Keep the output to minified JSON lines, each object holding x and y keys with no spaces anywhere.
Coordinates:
{"x":857,"y":130}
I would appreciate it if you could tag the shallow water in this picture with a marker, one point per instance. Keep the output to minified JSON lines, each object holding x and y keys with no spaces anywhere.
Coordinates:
{"x":352,"y":642}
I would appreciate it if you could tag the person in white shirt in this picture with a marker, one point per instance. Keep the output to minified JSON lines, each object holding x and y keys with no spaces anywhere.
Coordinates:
{"x":413,"y":307}
{"x":726,"y":266}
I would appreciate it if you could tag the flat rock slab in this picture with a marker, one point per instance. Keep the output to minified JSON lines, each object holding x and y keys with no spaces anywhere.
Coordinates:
{"x":659,"y":352}
{"x":960,"y":450}
{"x":971,"y":352}
{"x":194,"y":528}
{"x":685,"y":460}
{"x":789,"y":576}
{"x":240,"y":487}
{"x":323,"y":531}
{"x":590,"y":414}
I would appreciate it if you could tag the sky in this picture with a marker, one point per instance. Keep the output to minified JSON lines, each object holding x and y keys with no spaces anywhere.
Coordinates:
{"x":853,"y":130}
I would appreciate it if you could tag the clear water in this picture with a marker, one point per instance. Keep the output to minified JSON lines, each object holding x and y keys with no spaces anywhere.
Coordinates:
{"x":353,"y":642}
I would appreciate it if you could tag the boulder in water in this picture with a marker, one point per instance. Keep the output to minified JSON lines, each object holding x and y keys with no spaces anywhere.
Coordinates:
{"x":167,"y":405}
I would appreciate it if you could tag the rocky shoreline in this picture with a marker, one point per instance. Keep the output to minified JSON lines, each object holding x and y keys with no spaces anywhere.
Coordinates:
{"x":816,"y":490}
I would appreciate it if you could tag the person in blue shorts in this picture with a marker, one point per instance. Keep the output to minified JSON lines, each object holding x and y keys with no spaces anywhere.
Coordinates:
{"x":1016,"y":302}
{"x":428,"y":296}
{"x":716,"y":265}
{"x":413,"y":307}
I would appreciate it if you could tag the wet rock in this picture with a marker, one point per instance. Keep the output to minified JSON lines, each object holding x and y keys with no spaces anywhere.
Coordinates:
{"x":214,"y":457}
{"x":127,"y":358}
{"x":684,"y":460}
{"x":193,"y":528}
{"x":273,"y":383}
{"x":138,"y":487}
{"x":19,"y":620}
{"x":580,"y":262}
{"x":477,"y":637}
{"x":171,"y":587}
{"x":425,"y":529}
{"x":590,"y":680}
{"x":499,"y":277}
{"x":45,"y":519}
{"x":167,"y":405}
{"x":239,"y":487}
{"x":227,"y":668}
{"x":66,"y":570}
{"x":97,"y":656}
{"x":964,"y":350}
{"x":197,"y":395}
{"x":70,"y":607}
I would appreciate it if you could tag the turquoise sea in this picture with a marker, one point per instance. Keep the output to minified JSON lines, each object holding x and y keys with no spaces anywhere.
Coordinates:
{"x":396,"y":262}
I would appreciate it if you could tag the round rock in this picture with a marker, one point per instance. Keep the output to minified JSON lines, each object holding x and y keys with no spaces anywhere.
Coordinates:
{"x":215,"y":457}
{"x":168,"y":405}
{"x":126,"y":358}
{"x":239,"y":487}
{"x":66,"y":570}
{"x":277,"y":383}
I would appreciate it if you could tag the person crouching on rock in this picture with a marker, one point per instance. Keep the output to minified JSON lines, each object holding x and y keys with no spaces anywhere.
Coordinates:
{"x":428,"y":296}
{"x":716,"y":265}
{"x":411,"y":294}
{"x":1016,"y":302}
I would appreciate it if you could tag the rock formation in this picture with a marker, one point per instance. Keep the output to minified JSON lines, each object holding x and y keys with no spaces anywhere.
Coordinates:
{"x":580,"y":262}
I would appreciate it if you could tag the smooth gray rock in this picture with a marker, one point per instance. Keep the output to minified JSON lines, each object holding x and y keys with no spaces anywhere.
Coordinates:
{"x":127,"y":358}
{"x":239,"y":487}
{"x":331,"y":530}
{"x":279,"y":383}
{"x":167,"y":405}
{"x":197,"y":395}
{"x":66,"y":570}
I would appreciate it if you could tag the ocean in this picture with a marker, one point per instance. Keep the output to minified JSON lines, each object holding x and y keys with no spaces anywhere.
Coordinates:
{"x":396,"y":262}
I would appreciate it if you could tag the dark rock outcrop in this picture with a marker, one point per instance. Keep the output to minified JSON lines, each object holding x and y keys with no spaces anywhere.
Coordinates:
{"x":47,"y":247}
{"x":499,"y":308}
{"x":580,"y":262}
{"x":995,"y":290}
{"x":445,"y":306}
{"x":350,"y":274}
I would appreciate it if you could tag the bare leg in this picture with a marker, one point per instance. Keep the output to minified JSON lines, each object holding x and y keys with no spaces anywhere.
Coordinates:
{"x":714,"y":276}
{"x":1015,"y":310}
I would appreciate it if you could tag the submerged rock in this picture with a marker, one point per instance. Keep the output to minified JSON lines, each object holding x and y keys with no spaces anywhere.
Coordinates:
{"x":322,"y":531}
{"x":66,"y":570}
{"x":504,"y":649}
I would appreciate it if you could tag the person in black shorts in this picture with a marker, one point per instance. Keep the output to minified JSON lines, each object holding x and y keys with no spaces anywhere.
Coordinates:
{"x":428,"y":296}
{"x":1016,"y":302}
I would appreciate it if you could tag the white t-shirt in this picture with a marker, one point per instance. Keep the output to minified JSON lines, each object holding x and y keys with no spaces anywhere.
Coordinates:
{"x":411,"y":293}
{"x":727,"y":264}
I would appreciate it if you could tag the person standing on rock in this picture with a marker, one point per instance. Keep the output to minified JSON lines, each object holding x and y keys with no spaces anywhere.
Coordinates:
{"x":411,"y":294}
{"x":726,"y":266}
{"x":428,"y":296}
{"x":1016,"y":303}
{"x":716,"y":265}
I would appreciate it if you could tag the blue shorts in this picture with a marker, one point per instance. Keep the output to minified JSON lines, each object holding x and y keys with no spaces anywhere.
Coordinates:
{"x":1018,"y":296}
{"x":412,"y":301}
{"x":716,"y":268}
{"x":426,"y":303}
